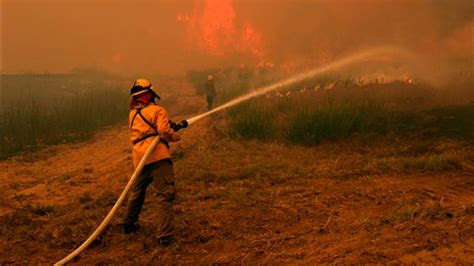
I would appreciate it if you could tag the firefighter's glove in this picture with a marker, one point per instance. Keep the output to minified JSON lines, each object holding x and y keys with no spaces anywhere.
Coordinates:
{"x":177,"y":126}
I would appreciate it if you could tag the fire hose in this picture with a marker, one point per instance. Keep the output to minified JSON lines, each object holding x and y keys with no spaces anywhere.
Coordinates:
{"x":111,"y":213}
{"x":106,"y":221}
{"x":185,"y":123}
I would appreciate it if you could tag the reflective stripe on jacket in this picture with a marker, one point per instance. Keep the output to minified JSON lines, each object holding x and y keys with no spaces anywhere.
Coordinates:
{"x":140,"y":129}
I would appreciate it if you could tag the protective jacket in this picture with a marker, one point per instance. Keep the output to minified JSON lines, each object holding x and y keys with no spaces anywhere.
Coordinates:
{"x":145,"y":123}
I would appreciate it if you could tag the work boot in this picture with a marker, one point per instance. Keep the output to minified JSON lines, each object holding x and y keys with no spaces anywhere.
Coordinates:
{"x":129,"y":228}
{"x":166,"y":240}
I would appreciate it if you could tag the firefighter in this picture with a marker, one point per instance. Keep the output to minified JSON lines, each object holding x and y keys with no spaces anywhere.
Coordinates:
{"x":210,"y":91}
{"x":148,"y":120}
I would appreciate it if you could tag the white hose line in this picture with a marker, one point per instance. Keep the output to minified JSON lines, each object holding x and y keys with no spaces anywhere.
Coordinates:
{"x":114,"y":209}
{"x":297,"y":78}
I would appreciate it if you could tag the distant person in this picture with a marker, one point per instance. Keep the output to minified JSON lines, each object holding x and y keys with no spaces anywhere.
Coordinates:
{"x":210,"y":91}
{"x":146,"y":121}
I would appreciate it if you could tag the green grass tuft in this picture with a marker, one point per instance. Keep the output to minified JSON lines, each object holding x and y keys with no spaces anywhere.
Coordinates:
{"x":335,"y":120}
{"x":308,"y":119}
{"x":252,"y":121}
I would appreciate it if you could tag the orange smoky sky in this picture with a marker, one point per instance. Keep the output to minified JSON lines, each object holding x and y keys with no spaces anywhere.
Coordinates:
{"x":151,"y":36}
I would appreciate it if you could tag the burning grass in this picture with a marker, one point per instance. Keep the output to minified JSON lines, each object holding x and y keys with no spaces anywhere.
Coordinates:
{"x":335,"y":106}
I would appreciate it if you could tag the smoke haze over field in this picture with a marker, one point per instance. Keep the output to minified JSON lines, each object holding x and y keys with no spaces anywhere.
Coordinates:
{"x":175,"y":36}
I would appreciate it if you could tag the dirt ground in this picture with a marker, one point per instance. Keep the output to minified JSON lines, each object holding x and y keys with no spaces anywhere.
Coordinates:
{"x":244,"y":202}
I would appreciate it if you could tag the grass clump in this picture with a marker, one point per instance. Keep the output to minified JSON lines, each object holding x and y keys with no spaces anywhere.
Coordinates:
{"x":308,"y":118}
{"x":424,"y":163}
{"x":335,"y":120}
{"x":301,"y":122}
{"x":430,"y":212}
{"x":452,"y":121}
{"x":252,"y":121}
{"x":44,"y":210}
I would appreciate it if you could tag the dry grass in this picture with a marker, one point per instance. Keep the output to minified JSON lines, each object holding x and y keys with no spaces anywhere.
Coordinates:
{"x":237,"y":204}
{"x":249,"y":202}
{"x":410,"y":164}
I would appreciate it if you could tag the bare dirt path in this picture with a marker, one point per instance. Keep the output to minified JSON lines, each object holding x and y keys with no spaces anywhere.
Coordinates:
{"x":239,"y":202}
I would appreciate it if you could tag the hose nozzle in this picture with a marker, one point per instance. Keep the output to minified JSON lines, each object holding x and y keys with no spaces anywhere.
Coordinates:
{"x":179,"y":125}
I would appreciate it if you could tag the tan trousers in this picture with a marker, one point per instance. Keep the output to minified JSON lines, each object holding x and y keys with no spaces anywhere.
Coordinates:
{"x":161,"y":174}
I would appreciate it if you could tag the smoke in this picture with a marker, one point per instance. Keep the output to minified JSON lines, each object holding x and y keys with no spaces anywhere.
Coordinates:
{"x":173,"y":37}
{"x":329,"y":28}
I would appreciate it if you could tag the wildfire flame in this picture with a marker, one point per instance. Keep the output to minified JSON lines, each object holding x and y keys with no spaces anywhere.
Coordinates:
{"x":251,"y":41}
{"x":212,"y":28}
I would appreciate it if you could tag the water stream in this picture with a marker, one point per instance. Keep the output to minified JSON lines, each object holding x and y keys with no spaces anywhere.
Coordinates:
{"x":354,"y":58}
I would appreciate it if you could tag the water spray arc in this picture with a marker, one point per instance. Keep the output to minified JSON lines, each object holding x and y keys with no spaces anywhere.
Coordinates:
{"x":303,"y":76}
{"x":185,"y":123}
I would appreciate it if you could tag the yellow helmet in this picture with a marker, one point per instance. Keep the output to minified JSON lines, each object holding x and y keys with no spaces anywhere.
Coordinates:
{"x":142,"y":85}
{"x":210,"y":77}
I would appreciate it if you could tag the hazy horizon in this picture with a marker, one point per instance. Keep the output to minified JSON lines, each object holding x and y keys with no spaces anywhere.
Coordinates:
{"x":173,"y":37}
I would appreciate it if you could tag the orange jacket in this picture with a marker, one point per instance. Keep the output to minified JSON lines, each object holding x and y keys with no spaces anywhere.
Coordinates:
{"x":140,"y":129}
